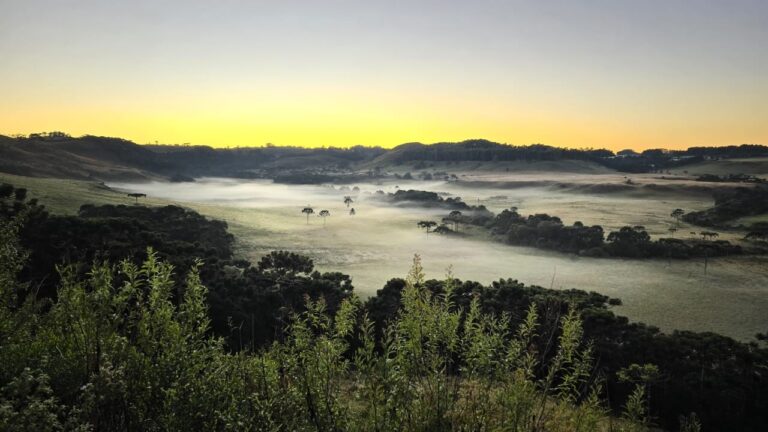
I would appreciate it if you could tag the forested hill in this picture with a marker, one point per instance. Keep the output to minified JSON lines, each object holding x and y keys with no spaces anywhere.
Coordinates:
{"x":103,"y":158}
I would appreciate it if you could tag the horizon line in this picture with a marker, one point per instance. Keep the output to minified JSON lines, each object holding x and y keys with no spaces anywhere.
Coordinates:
{"x":324,"y":146}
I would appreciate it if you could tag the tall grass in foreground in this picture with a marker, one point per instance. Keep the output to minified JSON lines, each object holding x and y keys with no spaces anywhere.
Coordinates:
{"x":114,"y":352}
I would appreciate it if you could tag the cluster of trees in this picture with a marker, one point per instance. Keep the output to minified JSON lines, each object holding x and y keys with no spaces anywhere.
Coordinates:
{"x":549,"y":232}
{"x":454,"y":218}
{"x":484,"y":150}
{"x":430,"y":199}
{"x":284,"y":347}
{"x":731,"y":204}
{"x":659,"y":160}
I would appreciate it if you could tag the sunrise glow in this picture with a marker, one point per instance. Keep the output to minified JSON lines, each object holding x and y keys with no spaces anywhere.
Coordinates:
{"x":610,"y":74}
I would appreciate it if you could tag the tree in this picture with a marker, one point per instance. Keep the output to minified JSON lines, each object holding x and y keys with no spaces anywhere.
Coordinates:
{"x":442,"y":229}
{"x":428,"y":225}
{"x":284,"y":262}
{"x":455,"y":218}
{"x":677,"y":214}
{"x":638,"y":407}
{"x":308,"y":210}
{"x":136,"y":196}
{"x":672,"y":231}
{"x":348,"y":200}
{"x":709,"y":235}
{"x":352,"y":211}
{"x":324,"y":214}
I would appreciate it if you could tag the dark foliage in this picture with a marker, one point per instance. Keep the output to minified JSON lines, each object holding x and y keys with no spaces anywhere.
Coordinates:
{"x":720,"y":379}
{"x":484,"y":150}
{"x":247,"y":302}
{"x":549,"y":232}
{"x":731,"y":204}
{"x":430,"y":199}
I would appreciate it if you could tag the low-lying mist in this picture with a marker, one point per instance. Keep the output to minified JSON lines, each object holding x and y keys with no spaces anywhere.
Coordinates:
{"x":379,"y":241}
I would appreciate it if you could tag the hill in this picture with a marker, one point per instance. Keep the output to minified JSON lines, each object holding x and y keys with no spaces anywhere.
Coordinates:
{"x":58,"y":155}
{"x":82,"y":158}
{"x":483,"y":150}
{"x":104,"y":158}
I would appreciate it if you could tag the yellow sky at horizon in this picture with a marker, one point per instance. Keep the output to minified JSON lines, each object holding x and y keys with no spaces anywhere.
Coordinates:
{"x":613,"y":75}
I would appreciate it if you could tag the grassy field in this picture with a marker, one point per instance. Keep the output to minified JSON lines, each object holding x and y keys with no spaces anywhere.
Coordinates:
{"x":753,"y":166}
{"x":63,"y":196}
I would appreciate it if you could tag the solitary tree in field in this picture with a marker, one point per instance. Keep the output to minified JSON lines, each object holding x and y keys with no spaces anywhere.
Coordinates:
{"x":324,"y":214}
{"x":308,"y":210}
{"x":428,"y":225}
{"x":352,"y":211}
{"x":455,"y":218}
{"x":348,"y":200}
{"x":136,"y":196}
{"x":677,"y":214}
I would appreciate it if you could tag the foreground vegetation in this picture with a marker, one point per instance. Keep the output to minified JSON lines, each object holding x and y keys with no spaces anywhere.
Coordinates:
{"x":254,"y":308}
{"x":115,"y":352}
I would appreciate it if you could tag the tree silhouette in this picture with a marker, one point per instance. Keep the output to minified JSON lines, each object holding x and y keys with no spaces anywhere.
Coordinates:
{"x":428,"y":225}
{"x":672,"y":231}
{"x":348,"y":200}
{"x":455,"y":218}
{"x":677,"y":214}
{"x":442,"y":229}
{"x":136,"y":196}
{"x":308,"y":210}
{"x":352,"y":211}
{"x":324,"y":214}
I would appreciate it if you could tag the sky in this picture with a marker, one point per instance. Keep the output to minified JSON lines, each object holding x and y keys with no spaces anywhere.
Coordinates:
{"x":602,"y":73}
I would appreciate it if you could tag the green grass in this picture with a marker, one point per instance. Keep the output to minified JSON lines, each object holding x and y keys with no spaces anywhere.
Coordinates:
{"x":62,"y":196}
